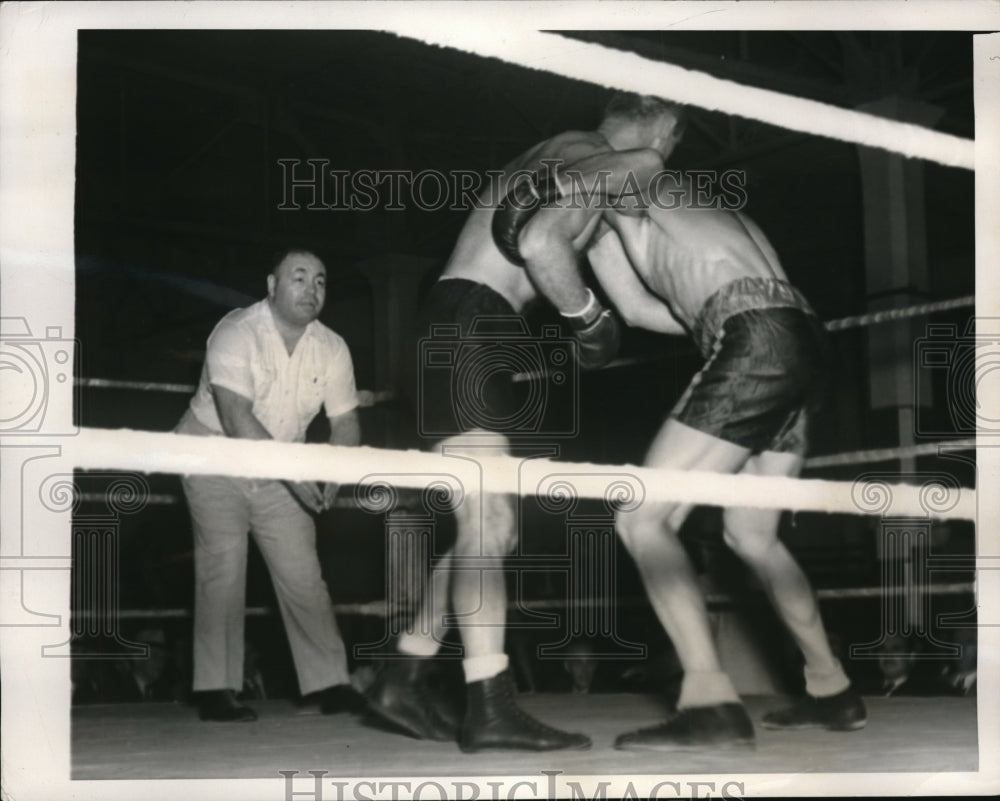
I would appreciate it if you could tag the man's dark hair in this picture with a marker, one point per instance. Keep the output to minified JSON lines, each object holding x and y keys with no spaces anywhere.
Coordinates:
{"x":279,"y":256}
{"x":639,"y":108}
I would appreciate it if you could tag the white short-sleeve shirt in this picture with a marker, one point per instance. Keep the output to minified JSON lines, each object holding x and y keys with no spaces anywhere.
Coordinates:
{"x":246,"y":354}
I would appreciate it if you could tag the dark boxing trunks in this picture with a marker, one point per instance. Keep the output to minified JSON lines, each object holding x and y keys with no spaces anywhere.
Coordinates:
{"x":461,"y":386}
{"x":767,"y":364}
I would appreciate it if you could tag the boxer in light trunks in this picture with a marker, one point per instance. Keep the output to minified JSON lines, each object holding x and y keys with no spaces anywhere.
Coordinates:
{"x":634,"y":138}
{"x":712,"y":275}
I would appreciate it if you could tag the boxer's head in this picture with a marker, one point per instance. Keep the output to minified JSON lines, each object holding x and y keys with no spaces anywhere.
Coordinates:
{"x":296,"y":286}
{"x":633,"y":121}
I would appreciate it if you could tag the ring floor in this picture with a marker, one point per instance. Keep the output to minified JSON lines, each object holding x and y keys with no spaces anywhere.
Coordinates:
{"x":167,"y":741}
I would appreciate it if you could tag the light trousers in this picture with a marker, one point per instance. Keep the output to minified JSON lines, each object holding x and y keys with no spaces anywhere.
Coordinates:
{"x":223,"y":510}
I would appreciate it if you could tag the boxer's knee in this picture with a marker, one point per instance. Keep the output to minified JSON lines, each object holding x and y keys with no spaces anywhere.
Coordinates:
{"x":486,"y":524}
{"x":638,"y":527}
{"x":750,"y":533}
{"x":499,"y":524}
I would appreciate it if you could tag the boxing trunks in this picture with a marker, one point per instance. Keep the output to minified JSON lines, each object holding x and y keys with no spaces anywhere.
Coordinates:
{"x":766,"y":370}
{"x":464,"y":370}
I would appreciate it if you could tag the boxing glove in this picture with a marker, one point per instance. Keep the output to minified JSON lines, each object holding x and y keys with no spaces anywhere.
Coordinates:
{"x":517,"y":207}
{"x":597,"y":332}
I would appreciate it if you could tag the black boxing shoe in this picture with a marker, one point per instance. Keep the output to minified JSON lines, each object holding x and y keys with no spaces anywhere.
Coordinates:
{"x":341,"y":698}
{"x":718,"y":726}
{"x":844,"y":711}
{"x":494,"y":720}
{"x":333,"y":700}
{"x":221,"y":705}
{"x":399,"y":696}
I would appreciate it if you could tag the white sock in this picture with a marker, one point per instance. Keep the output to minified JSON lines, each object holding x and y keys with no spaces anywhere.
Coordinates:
{"x":826,"y":683}
{"x":416,"y":645}
{"x":707,"y":688}
{"x":479,"y":668}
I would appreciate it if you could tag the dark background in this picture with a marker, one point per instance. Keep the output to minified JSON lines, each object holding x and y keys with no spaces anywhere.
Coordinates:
{"x":179,"y":136}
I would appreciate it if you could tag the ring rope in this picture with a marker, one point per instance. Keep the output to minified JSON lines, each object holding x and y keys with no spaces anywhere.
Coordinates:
{"x":888,"y":315}
{"x":156,"y":452}
{"x":617,"y":69}
{"x":384,"y":609}
{"x":142,"y":386}
{"x":876,"y":455}
{"x":847,"y":458}
{"x":841,"y":324}
{"x":366,"y":397}
{"x":371,"y":397}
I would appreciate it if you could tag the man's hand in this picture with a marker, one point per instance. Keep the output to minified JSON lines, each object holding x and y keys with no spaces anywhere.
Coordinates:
{"x":522,"y":201}
{"x":330,"y":491}
{"x":597,"y":332}
{"x":308,"y":494}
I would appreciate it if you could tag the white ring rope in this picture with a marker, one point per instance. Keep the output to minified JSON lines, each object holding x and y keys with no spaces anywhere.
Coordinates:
{"x":153,"y":452}
{"x":617,"y":69}
{"x":848,"y":458}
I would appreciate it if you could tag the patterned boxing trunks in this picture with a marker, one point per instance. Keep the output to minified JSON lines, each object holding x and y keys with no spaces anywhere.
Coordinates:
{"x":766,"y":370}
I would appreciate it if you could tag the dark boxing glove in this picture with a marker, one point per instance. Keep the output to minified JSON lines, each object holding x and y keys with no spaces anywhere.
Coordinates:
{"x":597,"y":333}
{"x":520,"y":204}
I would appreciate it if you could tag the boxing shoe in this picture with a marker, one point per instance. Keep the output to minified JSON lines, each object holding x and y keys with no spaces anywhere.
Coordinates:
{"x":718,"y":726}
{"x":221,"y":705}
{"x":401,"y":697}
{"x":332,"y":701}
{"x":844,"y":711}
{"x":494,"y":720}
{"x":341,"y":698}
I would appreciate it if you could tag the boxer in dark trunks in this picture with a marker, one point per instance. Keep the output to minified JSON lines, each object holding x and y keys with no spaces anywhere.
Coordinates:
{"x":479,"y":281}
{"x":712,"y":274}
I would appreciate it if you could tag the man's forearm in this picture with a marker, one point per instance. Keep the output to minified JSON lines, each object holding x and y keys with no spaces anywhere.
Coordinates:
{"x":345,"y":429}
{"x":551,"y":244}
{"x":237,"y":417}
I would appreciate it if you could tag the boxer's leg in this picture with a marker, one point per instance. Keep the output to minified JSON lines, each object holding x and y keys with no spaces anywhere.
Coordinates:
{"x":709,"y":710}
{"x":753,"y":535}
{"x":486,"y":534}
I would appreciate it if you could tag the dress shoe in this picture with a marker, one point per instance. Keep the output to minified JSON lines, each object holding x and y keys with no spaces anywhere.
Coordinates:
{"x":494,"y":720}
{"x":401,"y":697}
{"x":719,"y":726}
{"x":222,"y":705}
{"x":844,"y":711}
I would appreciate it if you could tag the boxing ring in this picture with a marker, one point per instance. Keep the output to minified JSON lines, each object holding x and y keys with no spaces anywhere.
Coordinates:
{"x":165,"y":741}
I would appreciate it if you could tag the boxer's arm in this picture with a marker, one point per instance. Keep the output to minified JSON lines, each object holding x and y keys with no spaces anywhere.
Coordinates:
{"x":638,"y":306}
{"x":551,"y":243}
{"x":584,"y":174}
{"x":621,"y":178}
